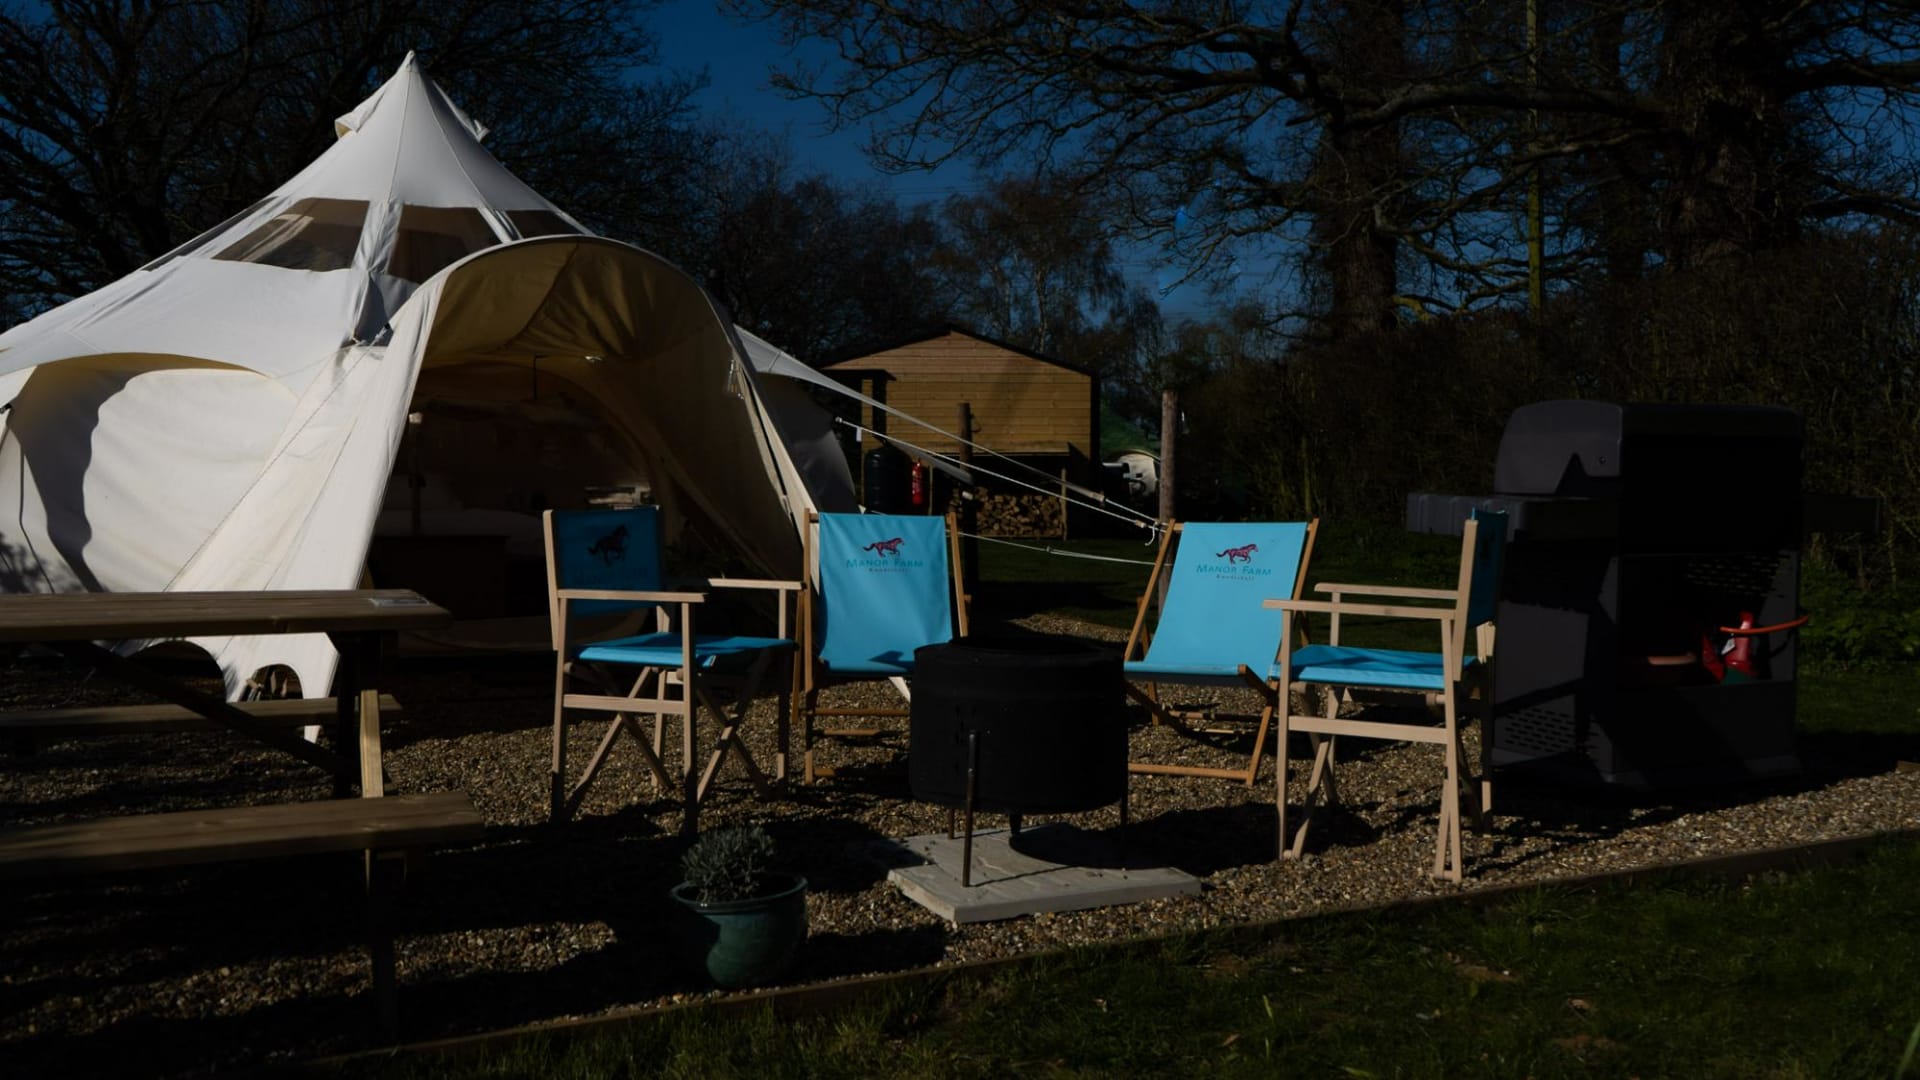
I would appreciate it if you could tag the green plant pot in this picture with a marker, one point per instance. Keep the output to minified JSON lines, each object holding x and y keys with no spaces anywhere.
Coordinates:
{"x":741,"y":943}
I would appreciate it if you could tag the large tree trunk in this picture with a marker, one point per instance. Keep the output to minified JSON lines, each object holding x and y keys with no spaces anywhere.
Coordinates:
{"x":1625,"y":235}
{"x":1723,"y":197}
{"x":1357,"y":176}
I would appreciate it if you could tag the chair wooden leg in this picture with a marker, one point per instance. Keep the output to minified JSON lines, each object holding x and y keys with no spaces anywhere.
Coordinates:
{"x":557,"y":768}
{"x":1322,"y":792}
{"x":1281,"y":764}
{"x":730,"y":723}
{"x":1332,"y":783}
{"x":727,"y":742}
{"x":594,"y":763}
{"x":809,"y":706}
{"x":1447,"y":852}
{"x":797,"y":699}
{"x":1260,"y":738}
{"x":1319,"y":776}
{"x":1329,"y":783}
{"x":1440,"y":839}
{"x":1156,"y":709}
{"x":689,"y":740}
{"x":1456,"y":871}
{"x":1473,"y":787}
{"x":783,"y":735}
{"x":656,"y":768}
{"x":659,"y":740}
{"x":1318,"y":792}
{"x":1484,"y":812}
{"x":1446,"y":848}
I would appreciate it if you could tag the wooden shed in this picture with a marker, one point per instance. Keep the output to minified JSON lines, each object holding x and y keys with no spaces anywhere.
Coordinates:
{"x":1042,"y":411}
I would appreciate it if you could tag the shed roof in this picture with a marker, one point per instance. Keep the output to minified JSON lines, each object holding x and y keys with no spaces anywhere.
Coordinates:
{"x":853,"y":361}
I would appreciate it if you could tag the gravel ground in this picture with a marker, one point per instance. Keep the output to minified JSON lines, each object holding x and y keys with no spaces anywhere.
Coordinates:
{"x":213,"y":967}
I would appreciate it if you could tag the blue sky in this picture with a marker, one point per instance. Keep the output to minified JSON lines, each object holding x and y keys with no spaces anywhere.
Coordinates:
{"x":738,"y":59}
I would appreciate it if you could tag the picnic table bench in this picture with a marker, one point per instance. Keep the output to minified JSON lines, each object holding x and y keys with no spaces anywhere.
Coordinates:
{"x":386,"y":828}
{"x":185,"y":837}
{"x":28,"y":727}
{"x":383,"y":827}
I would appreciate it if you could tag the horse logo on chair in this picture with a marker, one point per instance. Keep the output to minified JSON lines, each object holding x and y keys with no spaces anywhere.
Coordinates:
{"x":885,"y":547}
{"x":1239,"y":554}
{"x":611,"y":546}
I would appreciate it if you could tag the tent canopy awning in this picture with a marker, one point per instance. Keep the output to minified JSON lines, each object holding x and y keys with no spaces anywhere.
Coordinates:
{"x":229,"y":416}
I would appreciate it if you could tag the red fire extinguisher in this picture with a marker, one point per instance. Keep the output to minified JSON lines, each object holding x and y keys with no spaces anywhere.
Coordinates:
{"x":1739,"y":650}
{"x":918,"y":489}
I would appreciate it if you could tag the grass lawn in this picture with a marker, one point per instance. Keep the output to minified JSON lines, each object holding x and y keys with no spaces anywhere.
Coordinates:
{"x":1813,"y":974}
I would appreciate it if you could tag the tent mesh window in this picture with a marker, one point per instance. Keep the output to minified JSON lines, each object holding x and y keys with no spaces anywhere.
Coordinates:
{"x":312,"y":234}
{"x":204,"y":238}
{"x":530,"y":223}
{"x":433,"y":237}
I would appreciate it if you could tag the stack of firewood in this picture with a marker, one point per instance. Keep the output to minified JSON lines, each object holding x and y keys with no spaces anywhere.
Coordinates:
{"x":1021,"y":515}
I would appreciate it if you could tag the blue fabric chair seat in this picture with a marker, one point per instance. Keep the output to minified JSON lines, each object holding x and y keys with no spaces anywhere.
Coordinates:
{"x":1394,"y":668}
{"x":663,"y":649}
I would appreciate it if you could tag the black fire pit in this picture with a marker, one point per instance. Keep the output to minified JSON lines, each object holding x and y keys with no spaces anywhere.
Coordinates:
{"x":1030,"y":725}
{"x":1643,"y":538}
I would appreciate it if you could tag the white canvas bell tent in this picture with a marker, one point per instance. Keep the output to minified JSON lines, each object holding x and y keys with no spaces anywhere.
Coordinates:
{"x":228,"y":417}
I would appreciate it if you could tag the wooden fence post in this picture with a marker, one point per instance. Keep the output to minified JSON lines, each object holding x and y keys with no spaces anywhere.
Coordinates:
{"x":1169,"y":423}
{"x":969,"y":515}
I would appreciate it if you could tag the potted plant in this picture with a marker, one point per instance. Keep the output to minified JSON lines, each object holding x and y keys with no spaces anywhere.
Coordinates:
{"x":747,"y":920}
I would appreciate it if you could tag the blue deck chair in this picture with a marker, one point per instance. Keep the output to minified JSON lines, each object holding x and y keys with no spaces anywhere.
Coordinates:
{"x":1464,"y":619}
{"x":1211,"y":628}
{"x":606,"y":564}
{"x":886,"y":586}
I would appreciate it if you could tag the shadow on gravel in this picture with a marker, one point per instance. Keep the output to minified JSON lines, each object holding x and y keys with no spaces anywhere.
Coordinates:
{"x":1203,"y":842}
{"x":596,"y":890}
{"x":834,"y":956}
{"x":153,"y":1046}
{"x":1530,"y":807}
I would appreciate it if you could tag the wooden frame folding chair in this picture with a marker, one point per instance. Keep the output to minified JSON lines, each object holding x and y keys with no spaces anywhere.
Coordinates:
{"x":1463,"y":616}
{"x":886,"y":584}
{"x":1209,"y":625}
{"x":607,"y":563}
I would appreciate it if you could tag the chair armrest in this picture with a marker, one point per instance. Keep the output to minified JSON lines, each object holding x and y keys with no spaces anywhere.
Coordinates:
{"x":1390,"y":611}
{"x":641,"y":595}
{"x":771,"y":584}
{"x":1403,"y":592}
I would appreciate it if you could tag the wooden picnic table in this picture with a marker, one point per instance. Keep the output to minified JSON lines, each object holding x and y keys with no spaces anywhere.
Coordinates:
{"x":384,"y":828}
{"x":357,"y":620}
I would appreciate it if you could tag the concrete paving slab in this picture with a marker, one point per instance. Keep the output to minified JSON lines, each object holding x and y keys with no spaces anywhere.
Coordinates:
{"x":1055,"y":867}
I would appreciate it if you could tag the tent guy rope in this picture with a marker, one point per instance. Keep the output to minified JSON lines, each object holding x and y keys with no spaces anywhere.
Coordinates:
{"x":1104,"y":506}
